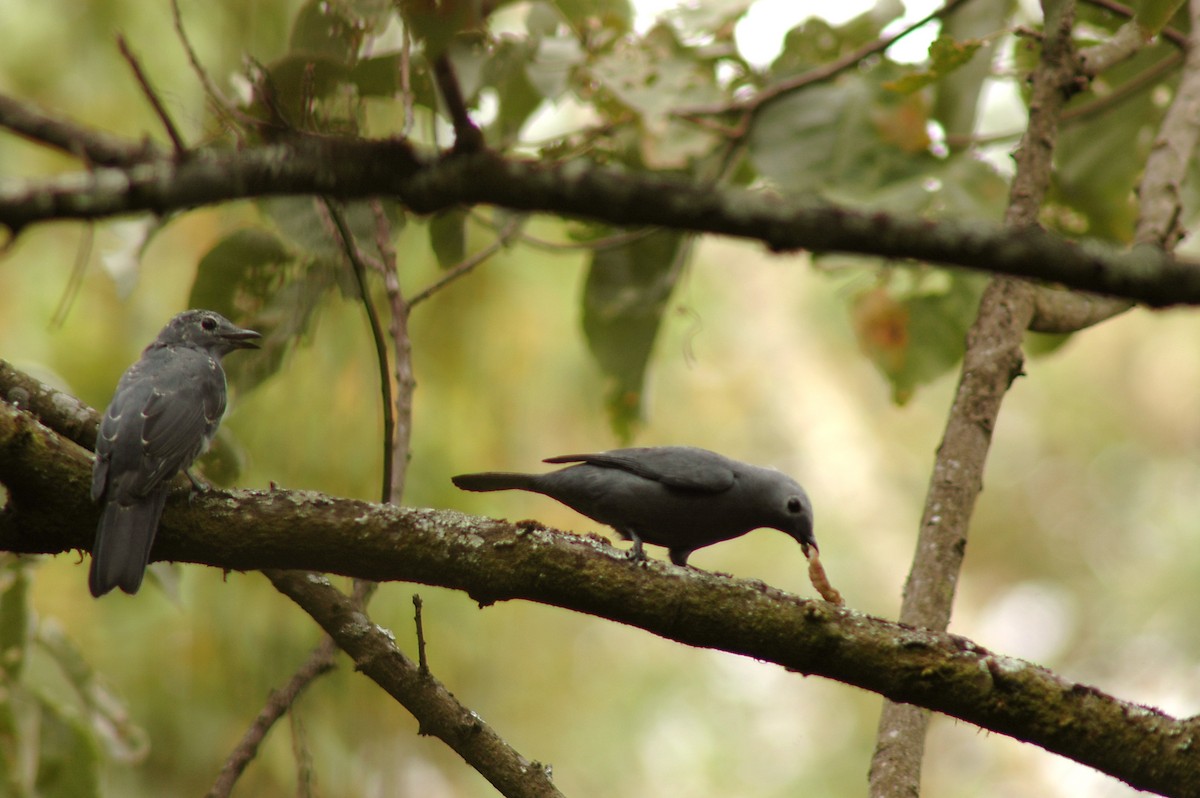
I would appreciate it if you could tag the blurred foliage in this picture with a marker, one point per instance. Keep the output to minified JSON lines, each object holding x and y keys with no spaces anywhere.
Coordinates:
{"x":577,"y":336}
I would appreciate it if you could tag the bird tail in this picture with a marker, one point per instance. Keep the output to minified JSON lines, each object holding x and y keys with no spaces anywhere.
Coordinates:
{"x":123,"y":541}
{"x":495,"y":480}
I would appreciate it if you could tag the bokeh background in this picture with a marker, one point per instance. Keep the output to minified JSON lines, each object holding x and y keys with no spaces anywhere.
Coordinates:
{"x":1082,"y":554}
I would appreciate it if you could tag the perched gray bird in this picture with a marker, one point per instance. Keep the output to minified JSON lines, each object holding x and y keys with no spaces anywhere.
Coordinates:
{"x":680,"y":497}
{"x":163,"y":415}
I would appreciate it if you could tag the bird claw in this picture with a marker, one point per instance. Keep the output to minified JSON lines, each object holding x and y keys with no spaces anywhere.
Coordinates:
{"x":198,"y":485}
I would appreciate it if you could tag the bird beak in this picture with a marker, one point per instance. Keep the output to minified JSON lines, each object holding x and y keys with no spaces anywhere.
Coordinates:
{"x":241,"y":338}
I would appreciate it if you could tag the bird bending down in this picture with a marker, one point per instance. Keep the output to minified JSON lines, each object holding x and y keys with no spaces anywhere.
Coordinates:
{"x":680,"y":497}
{"x":165,"y":411}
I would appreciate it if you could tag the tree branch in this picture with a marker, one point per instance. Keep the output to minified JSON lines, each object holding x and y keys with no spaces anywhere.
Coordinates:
{"x":441,"y":715}
{"x":349,"y":169}
{"x":48,"y":478}
{"x":95,"y":146}
{"x":992,"y":360}
{"x":152,"y":97}
{"x":280,"y":702}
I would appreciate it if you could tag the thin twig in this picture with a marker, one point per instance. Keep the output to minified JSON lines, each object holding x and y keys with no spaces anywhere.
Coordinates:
{"x":1146,"y":77}
{"x":467,"y":136}
{"x":819,"y":74}
{"x":471,"y":262}
{"x":437,"y":711}
{"x":220,"y":103}
{"x":422,"y":662}
{"x":385,"y":381}
{"x":407,"y":97}
{"x":152,"y":96}
{"x":95,"y":147}
{"x":305,"y":775}
{"x":319,"y":662}
{"x":82,"y":255}
{"x":402,"y":370}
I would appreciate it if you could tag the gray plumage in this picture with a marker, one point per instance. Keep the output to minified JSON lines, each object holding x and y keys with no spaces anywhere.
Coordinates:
{"x":165,"y":411}
{"x":680,"y":497}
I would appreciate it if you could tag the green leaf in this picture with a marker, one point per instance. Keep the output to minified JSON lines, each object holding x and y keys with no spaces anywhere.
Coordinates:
{"x":584,"y":15}
{"x":815,"y":138}
{"x":550,"y":70}
{"x":654,"y":74}
{"x":815,"y":42}
{"x":1153,"y":15}
{"x":652,"y":77}
{"x":712,"y":18}
{"x":323,"y":29}
{"x":379,"y":76}
{"x":1099,"y":163}
{"x":945,"y":56}
{"x":626,"y":291}
{"x":956,"y":96}
{"x":914,"y":329}
{"x":305,"y":224}
{"x":124,"y":740}
{"x":241,"y":271}
{"x":68,"y":757}
{"x":518,"y":97}
{"x":448,"y":237}
{"x":299,"y":78}
{"x":437,"y":24}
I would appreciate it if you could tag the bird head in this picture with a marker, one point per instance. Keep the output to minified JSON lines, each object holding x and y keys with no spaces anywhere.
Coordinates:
{"x":207,"y":330}
{"x":791,"y":511}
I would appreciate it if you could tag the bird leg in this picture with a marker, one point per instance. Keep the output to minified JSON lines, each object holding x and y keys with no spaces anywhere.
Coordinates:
{"x":637,"y":553}
{"x":198,"y":485}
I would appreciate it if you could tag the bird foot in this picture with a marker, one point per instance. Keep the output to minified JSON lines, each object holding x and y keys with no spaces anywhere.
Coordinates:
{"x":198,"y":485}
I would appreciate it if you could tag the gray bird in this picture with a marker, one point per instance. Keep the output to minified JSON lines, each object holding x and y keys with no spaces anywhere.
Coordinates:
{"x":680,"y":497}
{"x":163,"y":415}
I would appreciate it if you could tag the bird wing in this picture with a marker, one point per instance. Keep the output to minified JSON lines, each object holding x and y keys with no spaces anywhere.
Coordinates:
{"x":165,"y":410}
{"x":680,"y":467}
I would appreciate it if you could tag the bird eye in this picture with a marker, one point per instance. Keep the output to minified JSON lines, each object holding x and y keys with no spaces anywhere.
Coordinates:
{"x":209,"y":323}
{"x":794,"y":505}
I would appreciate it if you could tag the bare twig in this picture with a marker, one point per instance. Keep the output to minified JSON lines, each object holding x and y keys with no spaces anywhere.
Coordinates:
{"x":82,"y":254}
{"x":439,"y":713}
{"x":305,"y":775}
{"x":159,"y":109}
{"x":219,"y":102}
{"x":469,"y":263}
{"x":402,"y":370}
{"x":319,"y":662}
{"x":407,"y":96}
{"x":467,"y":136}
{"x":93,"y":146}
{"x":819,"y":74}
{"x":1148,"y":77}
{"x":422,"y":662}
